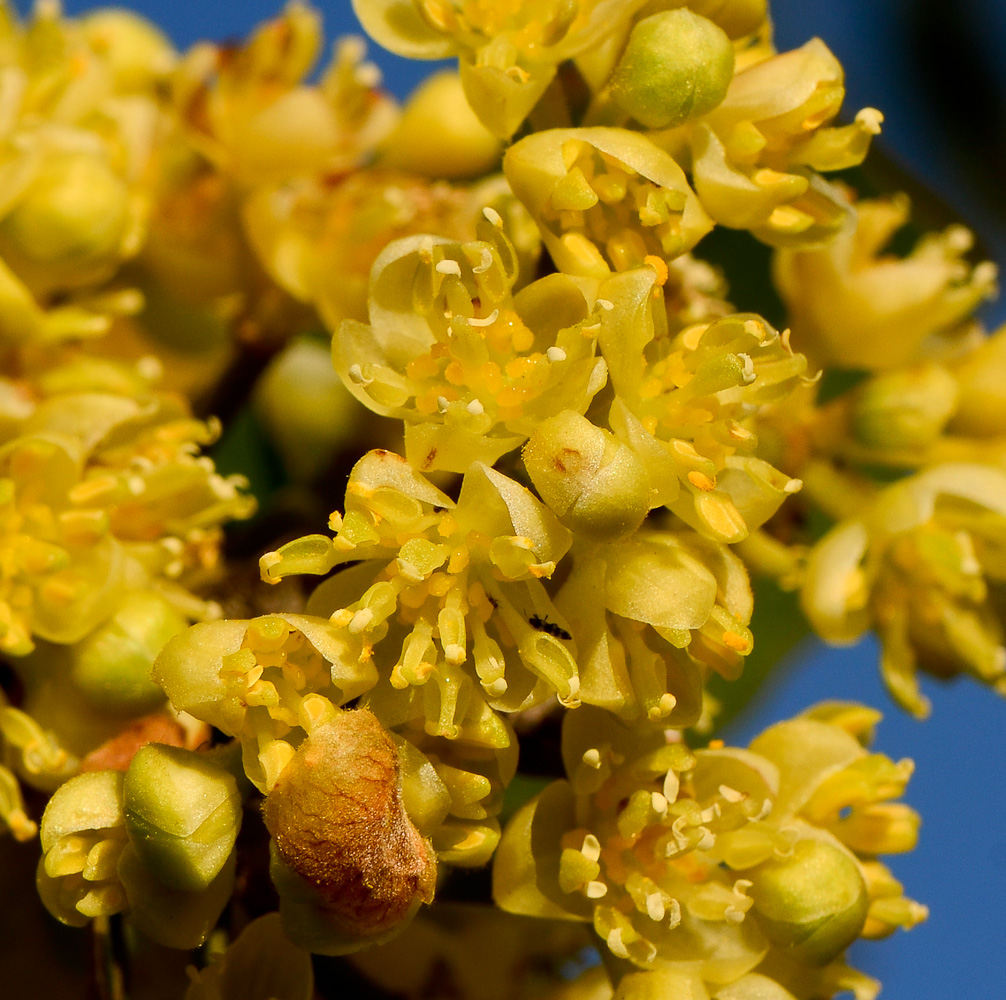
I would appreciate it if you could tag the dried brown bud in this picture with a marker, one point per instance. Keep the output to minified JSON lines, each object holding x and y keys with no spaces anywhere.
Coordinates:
{"x":337,"y":819}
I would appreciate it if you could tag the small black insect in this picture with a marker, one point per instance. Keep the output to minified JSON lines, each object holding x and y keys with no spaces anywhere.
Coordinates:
{"x":544,"y":625}
{"x":493,"y":601}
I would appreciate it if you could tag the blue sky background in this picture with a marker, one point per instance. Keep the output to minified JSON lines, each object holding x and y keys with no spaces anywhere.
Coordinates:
{"x":959,"y":869}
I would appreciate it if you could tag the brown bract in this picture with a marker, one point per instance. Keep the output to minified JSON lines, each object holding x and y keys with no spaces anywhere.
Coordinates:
{"x":337,"y":818}
{"x":117,"y":753}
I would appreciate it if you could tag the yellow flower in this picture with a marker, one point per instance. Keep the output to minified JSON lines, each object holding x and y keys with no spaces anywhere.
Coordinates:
{"x":853,"y":306}
{"x":651,"y":614}
{"x":755,"y":157}
{"x":471,"y":367}
{"x":920,"y":565}
{"x":688,"y":405}
{"x":453,"y":608}
{"x":306,"y":230}
{"x":249,"y":112}
{"x":707,"y":866}
{"x":508,"y":50}
{"x":100,"y":495}
{"x":604,"y":198}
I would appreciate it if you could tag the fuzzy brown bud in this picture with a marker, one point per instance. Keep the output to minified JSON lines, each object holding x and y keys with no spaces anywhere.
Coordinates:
{"x":337,"y":819}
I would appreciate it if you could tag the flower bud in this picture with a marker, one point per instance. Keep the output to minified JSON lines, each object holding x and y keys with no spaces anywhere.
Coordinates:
{"x":981,"y":375}
{"x":133,"y":49}
{"x":904,"y":409}
{"x":307,"y":411}
{"x":813,"y":901}
{"x":69,"y":226}
{"x":676,"y":66}
{"x":112,"y":665}
{"x":438,"y":135}
{"x":182,"y":814}
{"x":596,"y":485}
{"x":341,"y":830}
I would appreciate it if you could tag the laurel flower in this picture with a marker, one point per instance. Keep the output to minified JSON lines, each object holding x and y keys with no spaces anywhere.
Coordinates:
{"x":650,"y":616}
{"x":604,"y":198}
{"x":79,"y":130}
{"x":268,"y":682}
{"x":508,"y":52}
{"x":469,"y":366}
{"x":853,"y":305}
{"x":922,"y":566}
{"x":755,"y":157}
{"x":101,"y":495}
{"x":688,"y":405}
{"x":155,"y":843}
{"x":720,"y":863}
{"x":77,"y":877}
{"x":453,"y":609}
{"x":277,"y":682}
{"x":249,"y":112}
{"x":306,"y":229}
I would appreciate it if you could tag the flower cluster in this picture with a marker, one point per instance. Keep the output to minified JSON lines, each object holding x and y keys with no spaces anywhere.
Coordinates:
{"x":577,"y":454}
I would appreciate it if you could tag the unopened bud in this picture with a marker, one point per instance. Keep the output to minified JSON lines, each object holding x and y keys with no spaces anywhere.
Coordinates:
{"x":338,"y":822}
{"x":112,"y":665}
{"x":595,"y":484}
{"x":904,"y":409}
{"x":69,"y":227}
{"x":439,"y":135}
{"x":813,"y":901}
{"x":676,"y":66}
{"x":183,"y":813}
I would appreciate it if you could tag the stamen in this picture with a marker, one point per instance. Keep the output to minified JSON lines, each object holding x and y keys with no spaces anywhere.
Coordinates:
{"x":486,"y":320}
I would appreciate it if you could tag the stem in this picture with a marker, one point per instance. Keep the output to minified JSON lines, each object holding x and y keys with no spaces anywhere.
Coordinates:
{"x":841,"y":495}
{"x":105,"y":955}
{"x":767,"y":556}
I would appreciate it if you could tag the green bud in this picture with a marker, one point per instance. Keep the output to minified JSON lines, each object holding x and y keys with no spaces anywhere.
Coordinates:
{"x":596,"y":485}
{"x":173,"y":917}
{"x":112,"y":665}
{"x":813,"y":902}
{"x":306,"y":409}
{"x":904,"y":409}
{"x":676,"y":66}
{"x":182,"y":815}
{"x":69,"y":226}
